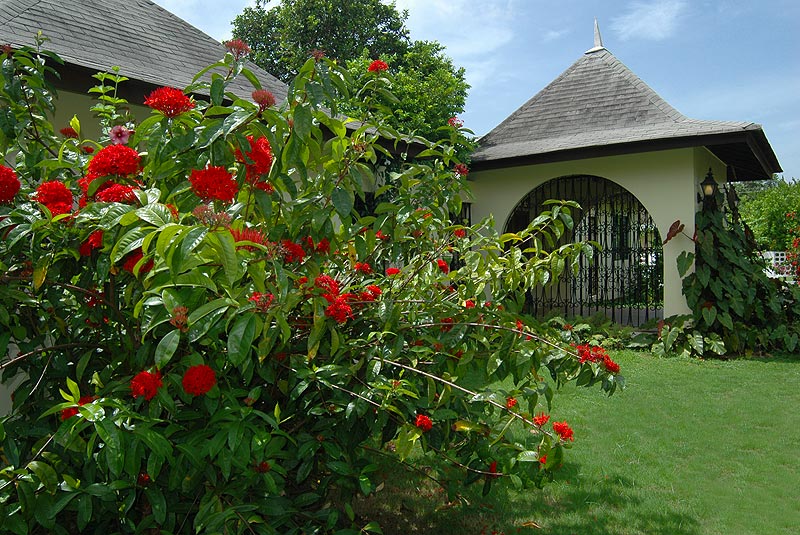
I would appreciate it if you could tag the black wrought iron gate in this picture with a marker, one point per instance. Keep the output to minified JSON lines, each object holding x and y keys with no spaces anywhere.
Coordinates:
{"x":625,"y":280}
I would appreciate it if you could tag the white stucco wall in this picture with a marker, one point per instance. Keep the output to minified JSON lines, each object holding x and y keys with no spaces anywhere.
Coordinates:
{"x":665,"y":182}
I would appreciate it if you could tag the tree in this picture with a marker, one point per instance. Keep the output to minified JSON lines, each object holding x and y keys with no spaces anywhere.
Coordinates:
{"x":210,"y":339}
{"x":283,"y":36}
{"x":766,"y":213}
{"x":429,"y":88}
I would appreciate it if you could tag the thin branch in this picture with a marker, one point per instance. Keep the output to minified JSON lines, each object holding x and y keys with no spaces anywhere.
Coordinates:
{"x":43,"y":350}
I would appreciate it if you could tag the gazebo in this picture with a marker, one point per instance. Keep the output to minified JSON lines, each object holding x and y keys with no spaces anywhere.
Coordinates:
{"x":600,"y":136}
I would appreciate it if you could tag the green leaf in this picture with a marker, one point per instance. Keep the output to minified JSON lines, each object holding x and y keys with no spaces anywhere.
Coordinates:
{"x":158,"y":503}
{"x":46,"y":475}
{"x":685,"y":261}
{"x":240,"y":339}
{"x":343,"y":201}
{"x":709,"y":315}
{"x":166,"y":348}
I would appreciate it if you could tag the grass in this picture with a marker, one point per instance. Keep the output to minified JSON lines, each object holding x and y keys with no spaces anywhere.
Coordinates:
{"x":691,"y":447}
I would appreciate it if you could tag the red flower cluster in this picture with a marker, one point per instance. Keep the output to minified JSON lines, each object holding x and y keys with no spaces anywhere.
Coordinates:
{"x":461,"y":170}
{"x":588,"y":353}
{"x":257,"y":161}
{"x":378,"y":66}
{"x":115,"y":160}
{"x":180,"y":318}
{"x":610,"y":365}
{"x":469,"y":303}
{"x":363,"y":267}
{"x":444,"y":267}
{"x":424,"y":423}
{"x":447,"y":324}
{"x":69,"y":132}
{"x":262,"y":468}
{"x":248,"y":234}
{"x":238,"y":48}
{"x":339,"y":308}
{"x":460,"y":233}
{"x":392,"y":271}
{"x":370,"y":294}
{"x":169,"y":101}
{"x":198,"y":380}
{"x":143,"y":479}
{"x":9,"y":184}
{"x":94,"y":241}
{"x":146,"y":384}
{"x":381,"y":236}
{"x":213,"y":182}
{"x":563,"y":430}
{"x":262,"y":301}
{"x":292,"y":252}
{"x":55,"y":196}
{"x":69,"y":412}
{"x":455,"y":122}
{"x":263,"y":98}
{"x":511,"y":403}
{"x":327,"y":283}
{"x":133,"y":258}
{"x":541,"y":419}
{"x":111,"y":192}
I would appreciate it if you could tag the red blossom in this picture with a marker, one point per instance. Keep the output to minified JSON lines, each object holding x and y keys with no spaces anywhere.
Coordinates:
{"x":375,"y":291}
{"x":119,"y":135}
{"x":381,"y":236}
{"x":146,"y":384}
{"x":9,"y":184}
{"x":563,"y":430}
{"x":323,"y":246}
{"x":363,"y":267}
{"x":493,"y":470}
{"x":377,"y":66}
{"x":238,"y":48}
{"x":133,"y":258}
{"x":69,"y":132}
{"x":198,"y":380}
{"x":257,"y":161}
{"x":94,"y":241}
{"x":169,"y":101}
{"x":587,"y":353}
{"x":460,"y":233}
{"x":327,"y":283}
{"x":69,"y":412}
{"x":443,"y":266}
{"x":610,"y":365}
{"x":392,"y":271}
{"x":262,"y":468}
{"x":262,"y":301}
{"x":511,"y":403}
{"x":447,"y":324}
{"x":213,"y":182}
{"x":263,"y":98}
{"x":180,"y":318}
{"x":55,"y":196}
{"x":87,"y":149}
{"x":248,"y":235}
{"x":143,"y":479}
{"x":541,"y":419}
{"x":292,"y":252}
{"x":116,"y":193}
{"x":543,"y":460}
{"x":424,"y":423}
{"x":455,"y":122}
{"x":567,"y":327}
{"x":461,"y":170}
{"x":115,"y":160}
{"x":339,"y":308}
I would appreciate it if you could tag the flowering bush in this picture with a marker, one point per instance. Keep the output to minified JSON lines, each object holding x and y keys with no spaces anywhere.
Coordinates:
{"x":200,"y":353}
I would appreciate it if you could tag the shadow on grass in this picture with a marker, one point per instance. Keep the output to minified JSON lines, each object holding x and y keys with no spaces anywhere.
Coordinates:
{"x":609,"y":506}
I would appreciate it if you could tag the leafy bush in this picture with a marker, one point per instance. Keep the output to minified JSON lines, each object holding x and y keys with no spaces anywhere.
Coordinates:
{"x":765,"y":212}
{"x":214,"y":341}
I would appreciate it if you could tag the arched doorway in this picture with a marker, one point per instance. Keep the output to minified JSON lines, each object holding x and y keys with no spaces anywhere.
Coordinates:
{"x":625,"y":280}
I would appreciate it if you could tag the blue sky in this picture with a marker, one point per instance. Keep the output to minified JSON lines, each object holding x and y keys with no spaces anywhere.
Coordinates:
{"x":730,"y":60}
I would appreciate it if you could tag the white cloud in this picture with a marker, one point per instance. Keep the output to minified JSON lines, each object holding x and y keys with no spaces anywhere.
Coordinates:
{"x":655,"y":20}
{"x":552,"y":35}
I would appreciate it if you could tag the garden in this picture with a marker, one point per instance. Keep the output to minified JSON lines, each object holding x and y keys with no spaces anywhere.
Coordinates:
{"x":205,"y":335}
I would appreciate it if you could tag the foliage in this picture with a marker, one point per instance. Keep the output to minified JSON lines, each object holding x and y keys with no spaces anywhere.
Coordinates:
{"x":190,"y":364}
{"x":765,"y":212}
{"x":429,"y":88}
{"x":730,"y":294}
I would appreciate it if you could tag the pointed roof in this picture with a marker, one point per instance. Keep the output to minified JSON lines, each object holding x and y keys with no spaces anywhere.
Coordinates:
{"x":147,"y":42}
{"x":598,"y":107}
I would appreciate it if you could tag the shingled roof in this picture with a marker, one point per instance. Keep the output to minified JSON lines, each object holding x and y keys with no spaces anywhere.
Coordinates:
{"x":149,"y":44}
{"x":598,"y":107}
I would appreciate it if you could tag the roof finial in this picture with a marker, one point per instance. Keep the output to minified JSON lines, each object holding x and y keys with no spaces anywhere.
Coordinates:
{"x":598,"y":40}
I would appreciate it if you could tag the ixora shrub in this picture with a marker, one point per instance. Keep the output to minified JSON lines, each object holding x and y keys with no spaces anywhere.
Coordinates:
{"x":207,"y":337}
{"x":736,"y":307}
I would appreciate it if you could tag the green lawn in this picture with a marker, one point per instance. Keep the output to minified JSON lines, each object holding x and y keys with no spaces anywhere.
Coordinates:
{"x":690,"y":447}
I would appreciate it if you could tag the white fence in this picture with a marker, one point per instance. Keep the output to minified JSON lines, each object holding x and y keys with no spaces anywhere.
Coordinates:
{"x":778,"y":266}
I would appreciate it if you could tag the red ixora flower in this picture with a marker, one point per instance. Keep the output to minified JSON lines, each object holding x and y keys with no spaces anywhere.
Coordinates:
{"x":198,"y":380}
{"x":169,"y":101}
{"x":258,"y":160}
{"x":511,"y":403}
{"x":133,"y":258}
{"x":610,"y":365}
{"x":424,"y":423}
{"x":9,"y":184}
{"x":248,"y":234}
{"x":94,"y":241}
{"x":563,"y":430}
{"x":339,"y":308}
{"x":378,"y":66}
{"x":263,"y":98}
{"x":143,"y":479}
{"x":115,"y":160}
{"x":327,"y":283}
{"x":455,"y":122}
{"x":392,"y":271}
{"x":262,"y":301}
{"x":116,"y":193}
{"x":541,"y":419}
{"x":363,"y":267}
{"x":292,"y":252}
{"x":461,"y":170}
{"x":55,"y":196}
{"x":213,"y":182}
{"x":69,"y":412}
{"x":460,"y":233}
{"x":69,"y":132}
{"x":444,"y":267}
{"x":238,"y":48}
{"x":146,"y":384}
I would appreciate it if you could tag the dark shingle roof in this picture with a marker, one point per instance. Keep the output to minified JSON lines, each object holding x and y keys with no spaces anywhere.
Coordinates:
{"x":148,"y":43}
{"x":599,"y":107}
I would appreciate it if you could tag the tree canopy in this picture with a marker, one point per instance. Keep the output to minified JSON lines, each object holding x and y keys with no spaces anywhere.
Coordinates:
{"x":429,"y":87}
